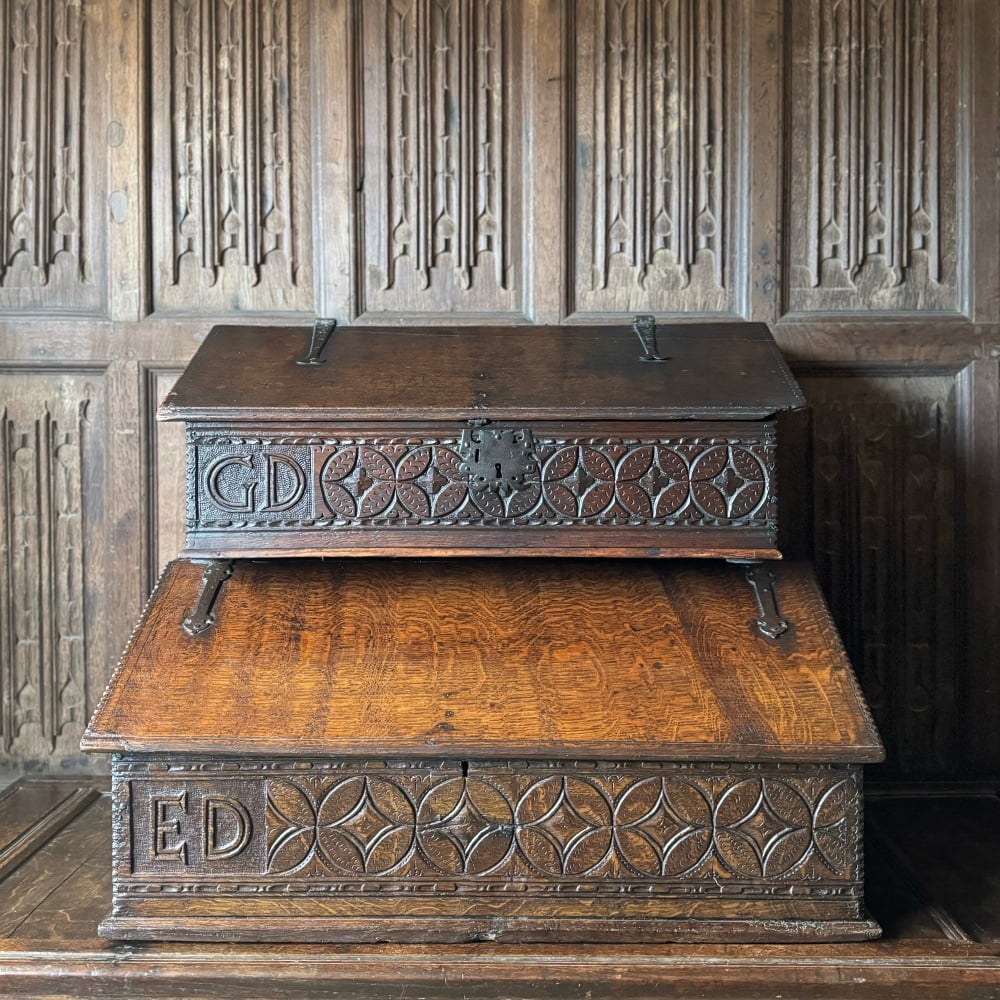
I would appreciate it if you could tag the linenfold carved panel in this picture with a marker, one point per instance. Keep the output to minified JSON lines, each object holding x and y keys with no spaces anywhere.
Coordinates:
{"x":231,"y":164}
{"x":656,"y":147}
{"x":872,"y":206}
{"x":884,"y":482}
{"x":47,"y":81}
{"x":309,"y":827}
{"x":43,"y":657}
{"x":439,"y":148}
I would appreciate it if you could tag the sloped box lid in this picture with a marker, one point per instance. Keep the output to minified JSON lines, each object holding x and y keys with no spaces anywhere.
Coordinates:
{"x":560,"y":659}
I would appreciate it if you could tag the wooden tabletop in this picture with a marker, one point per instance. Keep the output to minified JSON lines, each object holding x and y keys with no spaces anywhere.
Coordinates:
{"x":713,"y":370}
{"x":486,"y":658}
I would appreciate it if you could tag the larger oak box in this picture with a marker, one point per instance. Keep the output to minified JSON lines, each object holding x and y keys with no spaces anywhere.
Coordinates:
{"x":573,"y":750}
{"x":493,"y":441}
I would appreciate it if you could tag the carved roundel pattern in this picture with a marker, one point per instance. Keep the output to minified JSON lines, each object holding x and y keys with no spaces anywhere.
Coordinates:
{"x":728,"y":482}
{"x":362,"y":825}
{"x":365,"y":825}
{"x":701,"y":482}
{"x":663,"y":829}
{"x":465,"y":826}
{"x":763,"y":827}
{"x":564,"y":826}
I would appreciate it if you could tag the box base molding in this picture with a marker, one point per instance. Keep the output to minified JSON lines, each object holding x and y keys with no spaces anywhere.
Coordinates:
{"x":518,"y":930}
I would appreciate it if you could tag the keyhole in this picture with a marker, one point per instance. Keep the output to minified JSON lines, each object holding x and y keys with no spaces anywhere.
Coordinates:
{"x":497,"y":467}
{"x":476,"y":459}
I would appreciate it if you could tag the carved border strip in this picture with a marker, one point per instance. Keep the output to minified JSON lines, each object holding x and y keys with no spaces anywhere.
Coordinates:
{"x":318,"y":483}
{"x":315,"y":827}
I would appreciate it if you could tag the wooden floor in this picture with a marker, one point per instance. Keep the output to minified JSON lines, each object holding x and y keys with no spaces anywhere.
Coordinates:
{"x":934,"y":884}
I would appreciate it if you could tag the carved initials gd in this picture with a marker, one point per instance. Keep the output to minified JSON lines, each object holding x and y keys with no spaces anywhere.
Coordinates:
{"x":237,"y":493}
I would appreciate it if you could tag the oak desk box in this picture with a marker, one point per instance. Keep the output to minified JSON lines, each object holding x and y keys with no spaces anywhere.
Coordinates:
{"x":527,"y":750}
{"x":492,"y":441}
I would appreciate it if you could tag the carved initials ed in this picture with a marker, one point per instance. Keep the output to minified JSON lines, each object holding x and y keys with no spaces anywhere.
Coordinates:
{"x":215,"y":849}
{"x":226,"y":828}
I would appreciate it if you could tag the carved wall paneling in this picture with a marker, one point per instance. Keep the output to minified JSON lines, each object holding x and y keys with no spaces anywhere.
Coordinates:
{"x":875,"y":192}
{"x":978,"y":395}
{"x":52,"y":154}
{"x":660,"y":164}
{"x":50,"y":504}
{"x":885,"y":487}
{"x":883,"y":353}
{"x":439,"y":157}
{"x":979,"y":41}
{"x":231,"y":156}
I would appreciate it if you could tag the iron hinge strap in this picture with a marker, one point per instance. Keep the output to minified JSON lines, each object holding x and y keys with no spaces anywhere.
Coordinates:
{"x":202,"y":616}
{"x":321,"y":332}
{"x":770,"y":622}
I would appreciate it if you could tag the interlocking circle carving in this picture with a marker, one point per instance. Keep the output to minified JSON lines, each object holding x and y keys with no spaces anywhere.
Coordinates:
{"x":663,"y":828}
{"x":465,"y":826}
{"x":564,"y":826}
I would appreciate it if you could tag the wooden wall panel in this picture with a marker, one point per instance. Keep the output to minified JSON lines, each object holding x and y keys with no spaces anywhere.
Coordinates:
{"x":231,"y":156}
{"x":50,"y":497}
{"x":439,"y":157}
{"x":876,"y":116}
{"x":884,"y":482}
{"x":658,"y":156}
{"x":52,"y":153}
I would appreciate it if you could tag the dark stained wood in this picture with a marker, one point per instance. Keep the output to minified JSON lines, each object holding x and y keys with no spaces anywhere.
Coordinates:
{"x":597,"y":452}
{"x":634,"y":660}
{"x":915,"y":957}
{"x":715,"y":371}
{"x":608,"y":542}
{"x":623,"y":488}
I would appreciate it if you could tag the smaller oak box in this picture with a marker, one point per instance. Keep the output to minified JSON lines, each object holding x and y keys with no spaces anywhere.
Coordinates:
{"x":491,"y":441}
{"x":376,"y":750}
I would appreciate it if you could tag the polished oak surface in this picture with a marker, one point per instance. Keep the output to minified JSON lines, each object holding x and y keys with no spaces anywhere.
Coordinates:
{"x":713,"y":370}
{"x":624,"y":660}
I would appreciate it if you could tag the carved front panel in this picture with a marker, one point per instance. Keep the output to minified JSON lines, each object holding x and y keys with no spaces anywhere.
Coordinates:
{"x":884,"y":488}
{"x":656,"y":143}
{"x":874,"y":98}
{"x":44,"y":476}
{"x":327,"y":483}
{"x":371,"y":828}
